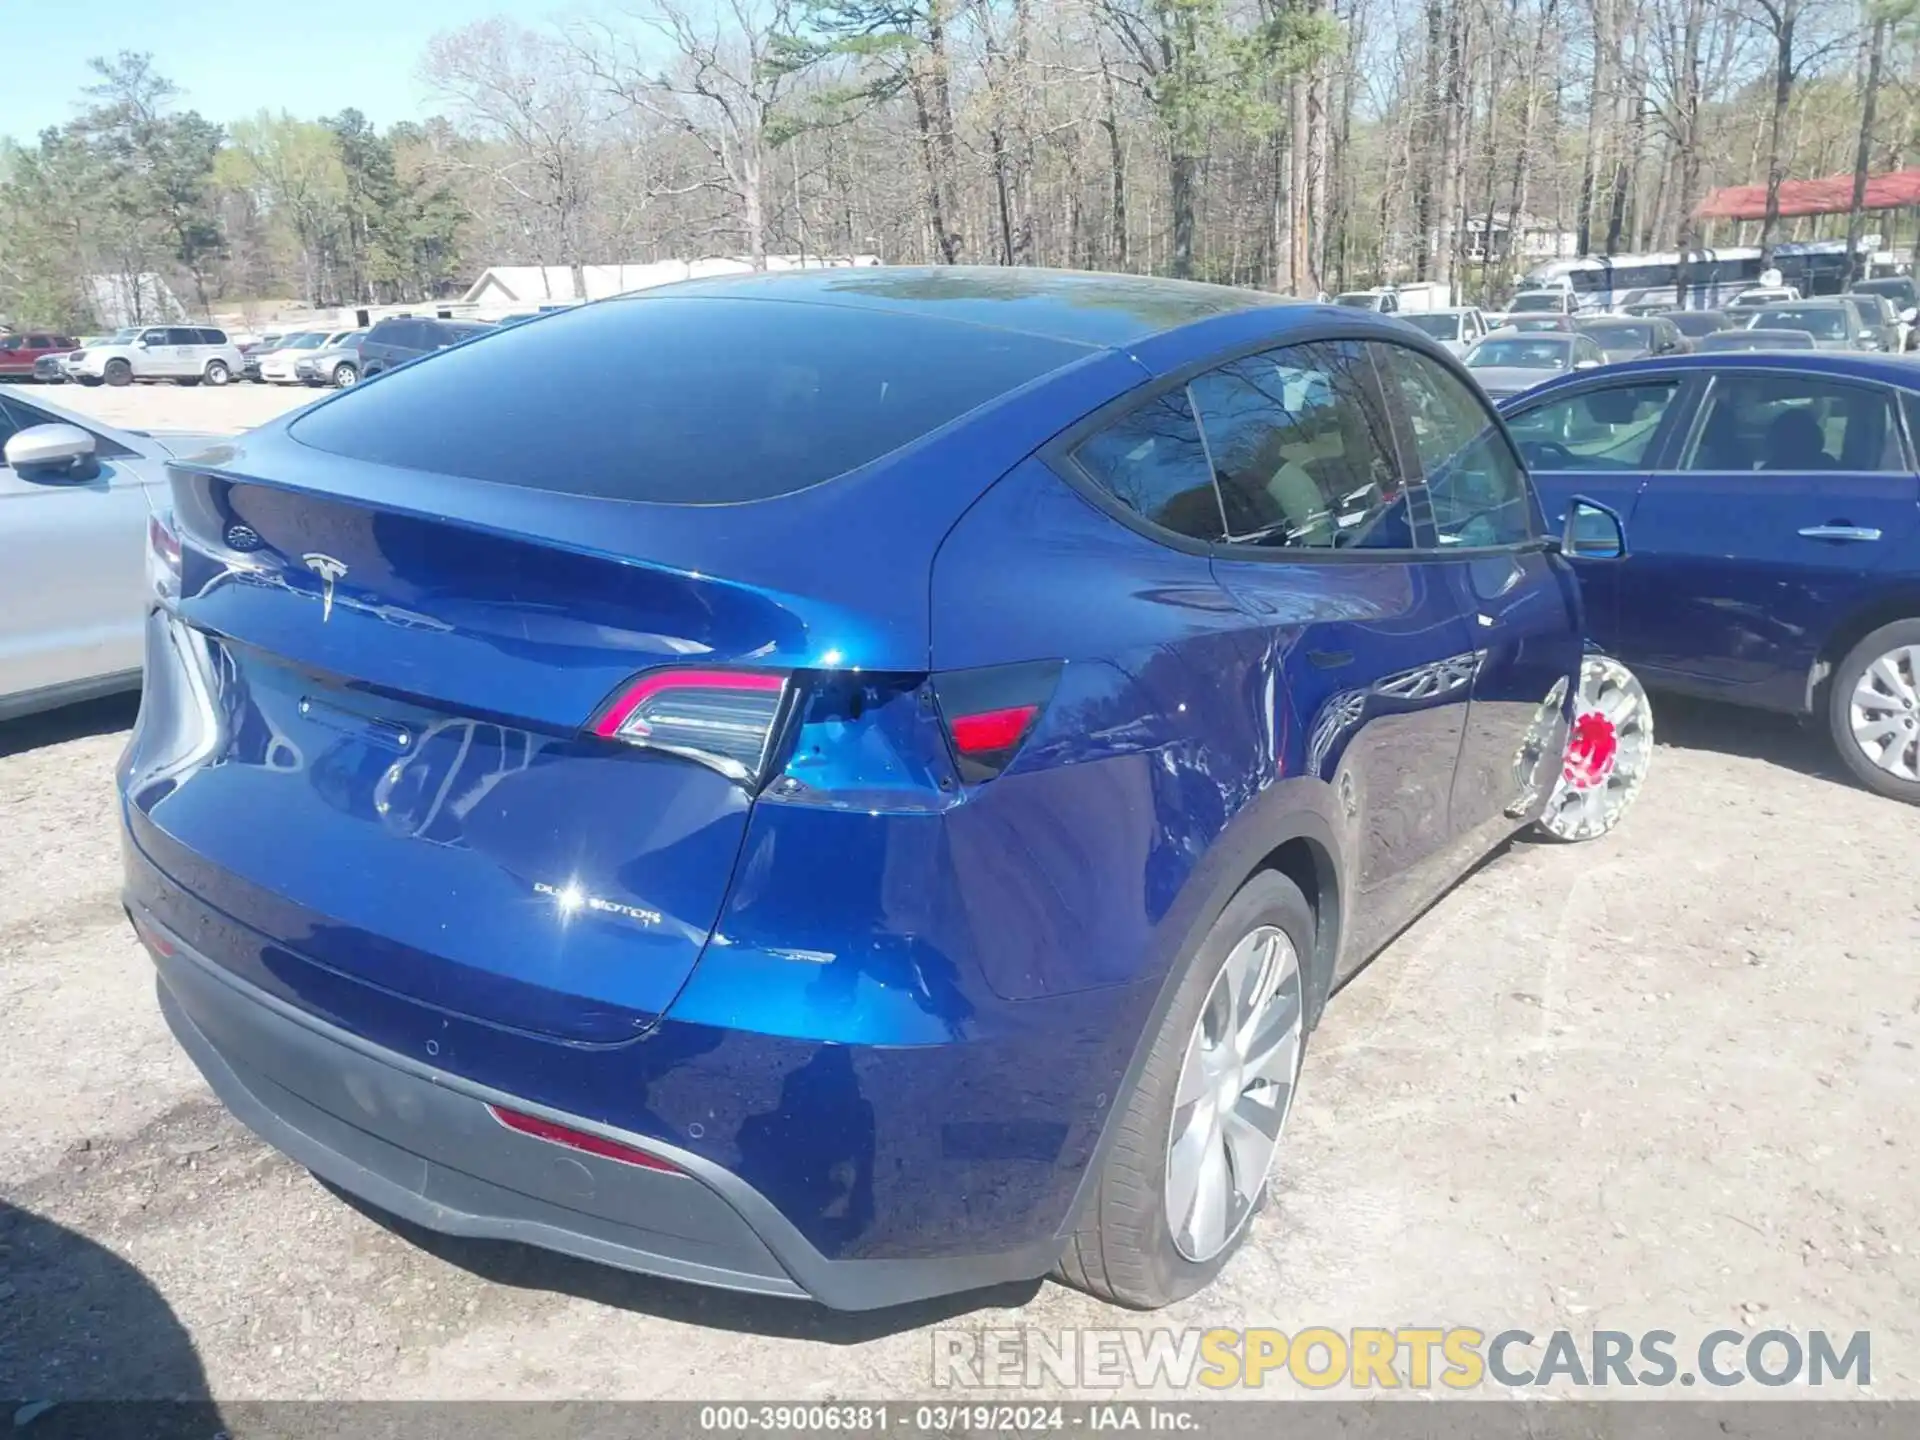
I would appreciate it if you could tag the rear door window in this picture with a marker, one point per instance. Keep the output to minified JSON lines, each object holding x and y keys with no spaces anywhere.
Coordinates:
{"x":1303,"y":450}
{"x":1474,"y":482}
{"x":1778,"y":421}
{"x":696,"y":400}
{"x":1153,"y":461}
{"x":182,"y":336}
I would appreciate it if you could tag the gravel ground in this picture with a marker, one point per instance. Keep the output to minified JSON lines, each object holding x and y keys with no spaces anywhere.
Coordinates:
{"x":1663,"y":1081}
{"x":174,"y":407}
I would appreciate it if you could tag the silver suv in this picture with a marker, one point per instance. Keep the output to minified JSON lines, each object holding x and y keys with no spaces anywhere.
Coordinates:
{"x":183,"y":354}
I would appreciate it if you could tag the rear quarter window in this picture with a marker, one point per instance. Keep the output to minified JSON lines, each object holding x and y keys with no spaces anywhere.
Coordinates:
{"x":687,"y":401}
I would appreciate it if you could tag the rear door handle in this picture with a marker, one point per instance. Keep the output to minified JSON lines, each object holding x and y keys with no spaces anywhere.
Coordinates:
{"x":1839,"y":532}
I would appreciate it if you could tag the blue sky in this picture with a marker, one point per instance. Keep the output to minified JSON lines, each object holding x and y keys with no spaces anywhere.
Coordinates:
{"x":235,"y":57}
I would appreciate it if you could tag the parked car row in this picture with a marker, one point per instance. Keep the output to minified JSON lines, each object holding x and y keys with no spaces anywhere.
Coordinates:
{"x":1775,"y":517}
{"x":1240,"y":626}
{"x":193,"y":355}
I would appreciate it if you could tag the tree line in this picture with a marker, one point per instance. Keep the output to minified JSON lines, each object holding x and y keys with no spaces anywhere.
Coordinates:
{"x":1298,"y":145}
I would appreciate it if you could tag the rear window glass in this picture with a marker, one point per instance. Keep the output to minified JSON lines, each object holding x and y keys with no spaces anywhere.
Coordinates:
{"x":683,"y":401}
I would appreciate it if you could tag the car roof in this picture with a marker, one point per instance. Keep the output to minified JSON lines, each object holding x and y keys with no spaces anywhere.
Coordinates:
{"x":1839,"y":364}
{"x":1075,"y":306}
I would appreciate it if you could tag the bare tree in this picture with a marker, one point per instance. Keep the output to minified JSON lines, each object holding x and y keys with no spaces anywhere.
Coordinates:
{"x":517,"y":91}
{"x":722,"y":92}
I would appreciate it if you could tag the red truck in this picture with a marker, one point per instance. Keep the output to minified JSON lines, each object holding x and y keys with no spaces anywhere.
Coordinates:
{"x":18,"y":352}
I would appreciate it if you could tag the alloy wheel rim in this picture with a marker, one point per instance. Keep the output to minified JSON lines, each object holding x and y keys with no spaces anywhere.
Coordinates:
{"x":1609,"y":745}
{"x":1236,"y":1087}
{"x":1883,"y":713}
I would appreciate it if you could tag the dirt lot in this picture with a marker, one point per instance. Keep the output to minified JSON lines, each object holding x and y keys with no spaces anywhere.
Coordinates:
{"x":1664,"y":1081}
{"x":174,"y":407}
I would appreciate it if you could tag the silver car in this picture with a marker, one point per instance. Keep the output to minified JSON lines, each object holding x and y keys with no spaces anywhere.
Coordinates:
{"x":336,"y":364}
{"x":1509,"y":361}
{"x":184,"y":354}
{"x":76,"y":497}
{"x":1833,"y":324}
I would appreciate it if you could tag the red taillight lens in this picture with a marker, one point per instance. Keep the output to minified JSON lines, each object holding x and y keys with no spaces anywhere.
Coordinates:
{"x":723,"y":718}
{"x":991,"y":711}
{"x":155,"y":941}
{"x":992,"y":730}
{"x":163,"y":558}
{"x":580,"y":1140}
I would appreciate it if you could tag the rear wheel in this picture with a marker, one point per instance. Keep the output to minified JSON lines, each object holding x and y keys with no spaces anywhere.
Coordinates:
{"x":1873,"y":711}
{"x":217,"y":372}
{"x":1197,"y":1140}
{"x":345,"y":374}
{"x":118,"y":372}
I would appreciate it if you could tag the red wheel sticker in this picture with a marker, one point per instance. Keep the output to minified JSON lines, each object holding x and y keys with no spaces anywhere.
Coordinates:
{"x":1590,"y":750}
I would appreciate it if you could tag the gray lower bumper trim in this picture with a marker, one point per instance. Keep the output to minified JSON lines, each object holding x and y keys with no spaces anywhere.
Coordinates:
{"x":421,"y":1144}
{"x":622,"y":1215}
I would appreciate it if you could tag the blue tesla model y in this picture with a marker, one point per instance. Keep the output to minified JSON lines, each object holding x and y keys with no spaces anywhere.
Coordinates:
{"x":854,"y":784}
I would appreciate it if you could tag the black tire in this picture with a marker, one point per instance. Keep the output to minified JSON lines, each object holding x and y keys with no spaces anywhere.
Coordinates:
{"x":1846,"y":678}
{"x":344,"y":374}
{"x":87,"y":380}
{"x":217,"y":372}
{"x":1123,"y":1248}
{"x":118,"y":372}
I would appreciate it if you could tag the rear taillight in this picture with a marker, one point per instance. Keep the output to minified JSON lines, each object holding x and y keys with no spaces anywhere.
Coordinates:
{"x":580,"y":1140}
{"x":726,"y":719}
{"x":991,"y":711}
{"x":163,"y":558}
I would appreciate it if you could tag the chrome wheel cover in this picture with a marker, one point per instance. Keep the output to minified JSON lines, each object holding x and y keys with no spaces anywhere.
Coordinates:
{"x":1609,"y":746}
{"x":1236,"y":1087}
{"x":1883,"y":713}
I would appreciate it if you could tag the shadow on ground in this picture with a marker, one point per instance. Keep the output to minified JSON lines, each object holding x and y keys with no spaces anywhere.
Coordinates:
{"x":85,"y":1338}
{"x":70,"y":722}
{"x":524,"y":1267}
{"x":1782,"y":740}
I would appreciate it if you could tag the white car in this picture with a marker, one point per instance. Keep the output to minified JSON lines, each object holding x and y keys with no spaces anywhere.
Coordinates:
{"x":280,"y":366}
{"x":184,"y":354}
{"x":1457,"y":328}
{"x":75,"y":499}
{"x":1759,"y":297}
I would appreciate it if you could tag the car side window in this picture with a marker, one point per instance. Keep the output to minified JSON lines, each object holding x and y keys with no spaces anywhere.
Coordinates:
{"x":11,"y":423}
{"x":1302,"y":450}
{"x":1474,"y":481}
{"x":183,"y":336}
{"x":154,"y":337}
{"x":1153,"y":461}
{"x":1607,"y":429}
{"x":212,"y":337}
{"x":1764,"y":421}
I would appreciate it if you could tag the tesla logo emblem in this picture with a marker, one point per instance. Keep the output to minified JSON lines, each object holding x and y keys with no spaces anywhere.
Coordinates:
{"x":329,"y":570}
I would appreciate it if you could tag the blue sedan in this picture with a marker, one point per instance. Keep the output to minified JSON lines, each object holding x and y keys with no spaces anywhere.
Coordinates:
{"x":1775,"y":516}
{"x":854,"y":784}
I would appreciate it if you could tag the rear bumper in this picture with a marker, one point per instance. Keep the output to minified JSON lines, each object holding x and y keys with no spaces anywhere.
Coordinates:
{"x":421,"y":1144}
